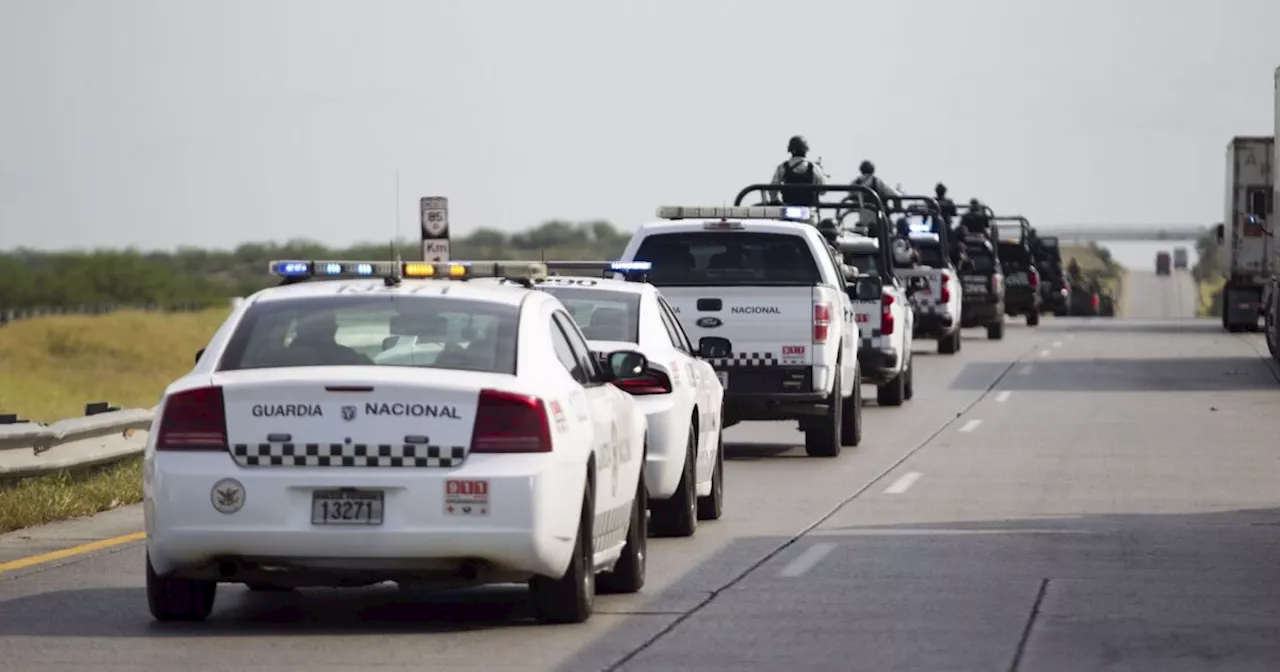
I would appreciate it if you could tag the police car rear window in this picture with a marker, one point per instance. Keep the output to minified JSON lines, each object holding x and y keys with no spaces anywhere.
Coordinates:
{"x":1014,"y":253}
{"x":601,"y":315}
{"x":930,"y":254}
{"x":867,"y":263}
{"x":416,"y":331}
{"x":728,"y":258}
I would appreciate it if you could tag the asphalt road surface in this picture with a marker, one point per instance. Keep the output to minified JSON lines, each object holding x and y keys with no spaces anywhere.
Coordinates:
{"x":1090,"y":494}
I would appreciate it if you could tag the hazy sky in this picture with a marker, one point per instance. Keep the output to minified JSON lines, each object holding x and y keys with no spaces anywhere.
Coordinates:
{"x":165,"y":122}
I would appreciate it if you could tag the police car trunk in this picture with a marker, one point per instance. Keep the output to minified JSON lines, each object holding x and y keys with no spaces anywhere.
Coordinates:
{"x":929,"y":282}
{"x":754,"y":287}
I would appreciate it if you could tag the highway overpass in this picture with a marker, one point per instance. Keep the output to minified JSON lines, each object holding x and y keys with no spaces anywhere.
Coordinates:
{"x":1123,"y":232}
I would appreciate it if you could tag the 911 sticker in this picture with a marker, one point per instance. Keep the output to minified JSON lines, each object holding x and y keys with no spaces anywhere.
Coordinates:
{"x":793,"y":354}
{"x":466,"y":497}
{"x":557,"y":414}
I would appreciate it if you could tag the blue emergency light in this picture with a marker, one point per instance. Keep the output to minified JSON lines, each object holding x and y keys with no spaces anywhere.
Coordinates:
{"x":631,"y":266}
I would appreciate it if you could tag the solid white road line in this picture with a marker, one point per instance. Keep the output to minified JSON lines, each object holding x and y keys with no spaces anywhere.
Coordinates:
{"x":1003,"y":396}
{"x":903,"y":483}
{"x":1026,"y":369}
{"x":970,"y":426}
{"x":807,"y":560}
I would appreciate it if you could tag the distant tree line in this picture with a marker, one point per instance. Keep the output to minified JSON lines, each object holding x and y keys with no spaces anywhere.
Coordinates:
{"x":30,"y":278}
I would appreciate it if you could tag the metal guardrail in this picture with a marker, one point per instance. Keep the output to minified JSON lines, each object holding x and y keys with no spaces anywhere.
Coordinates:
{"x":106,"y":434}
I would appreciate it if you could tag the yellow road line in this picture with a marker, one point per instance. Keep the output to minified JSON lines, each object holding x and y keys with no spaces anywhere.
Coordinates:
{"x":33,"y":560}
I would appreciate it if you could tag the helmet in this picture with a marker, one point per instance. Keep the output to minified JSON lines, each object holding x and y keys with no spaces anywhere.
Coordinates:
{"x":867,"y":168}
{"x":798,"y":145}
{"x":940,"y":190}
{"x":975,"y":203}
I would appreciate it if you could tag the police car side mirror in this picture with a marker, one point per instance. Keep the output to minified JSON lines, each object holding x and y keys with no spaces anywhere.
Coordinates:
{"x":198,"y":354}
{"x":625,"y":365}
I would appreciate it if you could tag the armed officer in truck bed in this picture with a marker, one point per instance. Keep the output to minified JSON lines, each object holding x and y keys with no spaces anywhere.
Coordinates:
{"x":797,"y":170}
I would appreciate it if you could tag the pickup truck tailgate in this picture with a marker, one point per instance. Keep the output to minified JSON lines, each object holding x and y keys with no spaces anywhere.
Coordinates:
{"x":765,"y":326}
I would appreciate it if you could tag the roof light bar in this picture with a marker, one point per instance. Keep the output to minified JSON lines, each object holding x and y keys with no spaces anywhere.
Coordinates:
{"x":452,"y":270}
{"x":786,"y":212}
{"x":615,"y":266}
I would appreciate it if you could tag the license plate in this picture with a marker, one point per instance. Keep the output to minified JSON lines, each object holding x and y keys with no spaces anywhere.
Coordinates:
{"x":346,"y":507}
{"x":975,"y":289}
{"x":724,"y":378}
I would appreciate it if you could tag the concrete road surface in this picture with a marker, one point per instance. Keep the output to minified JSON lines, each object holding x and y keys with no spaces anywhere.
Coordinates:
{"x":1090,"y":494}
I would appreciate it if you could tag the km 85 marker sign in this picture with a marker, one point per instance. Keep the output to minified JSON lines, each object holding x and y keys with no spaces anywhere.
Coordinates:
{"x":435,"y":228}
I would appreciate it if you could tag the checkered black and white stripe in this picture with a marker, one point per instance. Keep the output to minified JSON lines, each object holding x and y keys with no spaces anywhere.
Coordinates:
{"x":746,"y":359}
{"x":870,"y":337}
{"x":927,"y":304}
{"x":346,"y":455}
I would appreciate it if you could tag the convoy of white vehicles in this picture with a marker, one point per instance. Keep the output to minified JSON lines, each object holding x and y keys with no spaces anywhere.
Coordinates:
{"x":454,"y":423}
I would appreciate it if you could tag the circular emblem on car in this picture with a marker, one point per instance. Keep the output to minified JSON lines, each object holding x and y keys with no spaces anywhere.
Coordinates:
{"x":709,"y":322}
{"x":227,"y":496}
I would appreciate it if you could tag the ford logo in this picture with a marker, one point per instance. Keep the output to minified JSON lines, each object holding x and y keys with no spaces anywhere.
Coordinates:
{"x":709,"y":322}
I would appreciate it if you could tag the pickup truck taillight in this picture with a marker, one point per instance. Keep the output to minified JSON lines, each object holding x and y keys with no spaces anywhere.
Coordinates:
{"x":821,"y":322}
{"x":995,"y":283}
{"x":886,"y":315}
{"x":1034,"y":278}
{"x":946,"y":293}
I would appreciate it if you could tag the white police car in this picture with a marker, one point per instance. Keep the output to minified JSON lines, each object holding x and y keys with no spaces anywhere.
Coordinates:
{"x":491,"y":448}
{"x":679,"y":393}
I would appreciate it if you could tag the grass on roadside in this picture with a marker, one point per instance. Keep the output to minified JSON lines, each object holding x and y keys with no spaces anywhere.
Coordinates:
{"x":52,"y":497}
{"x":1091,"y":261}
{"x":52,"y":366}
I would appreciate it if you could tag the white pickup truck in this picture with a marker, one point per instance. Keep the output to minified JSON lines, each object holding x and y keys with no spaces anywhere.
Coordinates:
{"x":766,"y":300}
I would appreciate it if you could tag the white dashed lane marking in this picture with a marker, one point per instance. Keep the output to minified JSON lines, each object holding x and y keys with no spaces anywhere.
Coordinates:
{"x":903,"y":483}
{"x":1003,"y":396}
{"x":970,"y":426}
{"x":807,"y":560}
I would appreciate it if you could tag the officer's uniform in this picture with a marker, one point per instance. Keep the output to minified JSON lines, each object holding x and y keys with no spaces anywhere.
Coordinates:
{"x":796,"y":165}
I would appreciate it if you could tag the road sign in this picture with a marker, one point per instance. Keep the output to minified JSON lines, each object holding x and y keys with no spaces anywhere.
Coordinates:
{"x":435,"y":228}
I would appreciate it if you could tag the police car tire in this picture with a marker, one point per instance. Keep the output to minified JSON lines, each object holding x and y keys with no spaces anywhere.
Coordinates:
{"x":851,"y":413}
{"x":1033,"y":318}
{"x":175,"y":599}
{"x":711,"y":507}
{"x":823,"y":437}
{"x":995,"y":330}
{"x":677,"y":516}
{"x":627,"y":575}
{"x":571,"y":598}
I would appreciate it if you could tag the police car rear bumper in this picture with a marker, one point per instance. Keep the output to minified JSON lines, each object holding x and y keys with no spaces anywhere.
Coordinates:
{"x":879,"y":365}
{"x":933,"y":325}
{"x":980,"y":314}
{"x":1020,"y":302}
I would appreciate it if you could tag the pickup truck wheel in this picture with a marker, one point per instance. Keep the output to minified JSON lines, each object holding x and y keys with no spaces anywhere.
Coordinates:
{"x":822,"y":438}
{"x":711,"y":507}
{"x":910,"y":373}
{"x":995,"y":330}
{"x":851,"y":414}
{"x":894,"y":392}
{"x":949,"y":344}
{"x":571,"y":598}
{"x":678,"y":516}
{"x":177,"y":599}
{"x":1033,"y":318}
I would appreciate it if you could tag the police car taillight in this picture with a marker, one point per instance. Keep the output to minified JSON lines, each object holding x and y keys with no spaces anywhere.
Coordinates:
{"x":652,"y":382}
{"x":821,"y":322}
{"x":886,"y":315}
{"x":194,"y":420}
{"x":507,"y":422}
{"x":1034,"y":278}
{"x":946,"y":293}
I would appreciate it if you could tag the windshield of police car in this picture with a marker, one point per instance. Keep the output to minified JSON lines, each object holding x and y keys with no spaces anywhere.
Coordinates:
{"x":418,"y":331}
{"x":601,"y":315}
{"x":728,"y":258}
{"x":867,"y":263}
